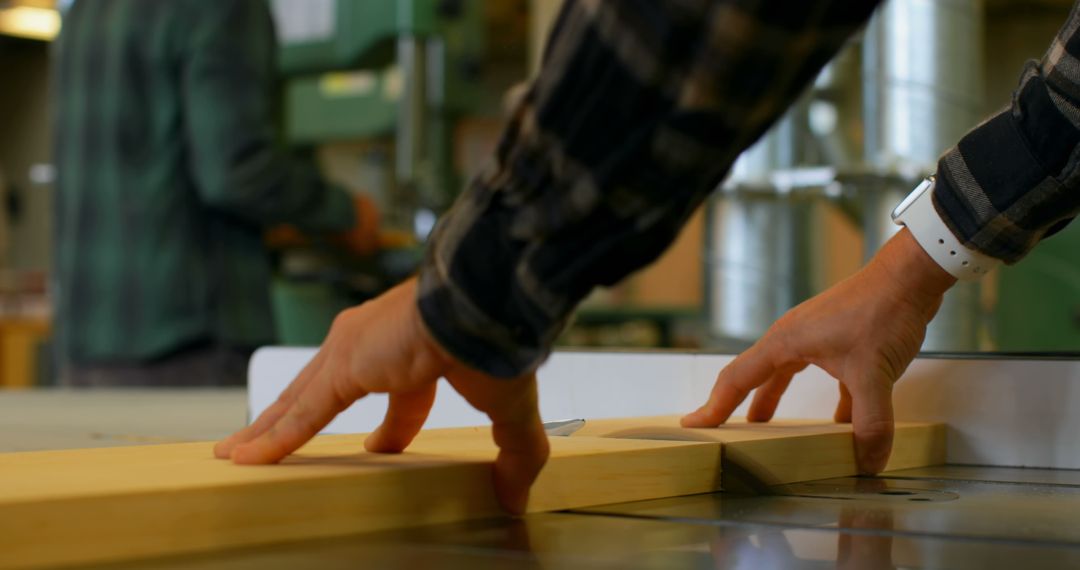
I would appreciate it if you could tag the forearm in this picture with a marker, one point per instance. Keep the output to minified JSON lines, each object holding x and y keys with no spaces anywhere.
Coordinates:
{"x":1015,"y":179}
{"x":638,"y":112}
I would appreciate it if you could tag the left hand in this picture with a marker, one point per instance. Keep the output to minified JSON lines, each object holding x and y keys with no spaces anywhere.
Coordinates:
{"x":384,"y":346}
{"x":863,"y":331}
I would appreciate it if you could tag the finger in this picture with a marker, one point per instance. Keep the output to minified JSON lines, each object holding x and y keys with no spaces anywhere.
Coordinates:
{"x":767,"y":396}
{"x":271,"y":415}
{"x":404,"y":418}
{"x":843,"y":407}
{"x":315,"y":407}
{"x":748,"y":371}
{"x":523,"y":449}
{"x":872,"y":422}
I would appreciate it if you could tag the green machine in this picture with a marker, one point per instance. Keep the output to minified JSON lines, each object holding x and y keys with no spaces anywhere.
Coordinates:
{"x":384,"y":80}
{"x":1038,"y":307}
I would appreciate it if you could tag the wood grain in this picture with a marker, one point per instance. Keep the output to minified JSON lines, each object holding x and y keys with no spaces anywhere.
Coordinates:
{"x":113,"y":504}
{"x":758,"y":455}
{"x":93,"y":506}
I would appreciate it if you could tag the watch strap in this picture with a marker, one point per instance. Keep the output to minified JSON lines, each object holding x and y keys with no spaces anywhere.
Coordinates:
{"x":935,"y":237}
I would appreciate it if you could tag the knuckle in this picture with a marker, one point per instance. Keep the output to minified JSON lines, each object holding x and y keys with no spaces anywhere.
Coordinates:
{"x":342,"y":319}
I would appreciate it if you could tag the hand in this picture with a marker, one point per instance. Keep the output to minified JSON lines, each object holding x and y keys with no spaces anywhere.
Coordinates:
{"x":383,"y":346}
{"x":363,"y":238}
{"x":863,"y":331}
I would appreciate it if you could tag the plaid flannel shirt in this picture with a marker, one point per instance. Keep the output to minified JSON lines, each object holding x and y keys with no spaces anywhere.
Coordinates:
{"x":638,"y":113}
{"x":168,"y":168}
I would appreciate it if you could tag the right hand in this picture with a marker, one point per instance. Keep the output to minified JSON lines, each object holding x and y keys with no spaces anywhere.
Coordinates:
{"x":864,"y":332}
{"x":383,"y":346}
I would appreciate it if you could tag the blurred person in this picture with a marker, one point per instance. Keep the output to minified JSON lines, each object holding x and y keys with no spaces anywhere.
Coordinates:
{"x":168,"y":171}
{"x":638,"y":112}
{"x":4,"y":213}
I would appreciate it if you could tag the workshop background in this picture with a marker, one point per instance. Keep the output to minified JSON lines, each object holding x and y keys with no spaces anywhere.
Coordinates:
{"x":405,"y":100}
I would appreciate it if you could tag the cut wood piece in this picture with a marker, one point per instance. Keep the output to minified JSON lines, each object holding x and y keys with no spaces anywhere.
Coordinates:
{"x":93,"y":506}
{"x":758,"y":455}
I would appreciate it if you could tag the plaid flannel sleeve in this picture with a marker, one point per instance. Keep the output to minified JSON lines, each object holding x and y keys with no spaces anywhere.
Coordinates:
{"x":1015,"y":179}
{"x":639,"y":111}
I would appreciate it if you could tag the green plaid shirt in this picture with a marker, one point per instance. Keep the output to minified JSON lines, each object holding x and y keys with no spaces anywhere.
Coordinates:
{"x":168,"y":169}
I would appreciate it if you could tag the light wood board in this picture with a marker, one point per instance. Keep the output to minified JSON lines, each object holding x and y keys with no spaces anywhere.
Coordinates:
{"x":92,"y":506}
{"x":758,"y":455}
{"x":100,"y":505}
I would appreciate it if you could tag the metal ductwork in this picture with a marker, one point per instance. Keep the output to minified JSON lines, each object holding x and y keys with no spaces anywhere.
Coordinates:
{"x":875,"y":122}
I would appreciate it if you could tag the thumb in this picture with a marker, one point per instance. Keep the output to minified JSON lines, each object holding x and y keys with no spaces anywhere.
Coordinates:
{"x":872,"y":422}
{"x":523,"y":445}
{"x":513,"y":407}
{"x":523,"y":451}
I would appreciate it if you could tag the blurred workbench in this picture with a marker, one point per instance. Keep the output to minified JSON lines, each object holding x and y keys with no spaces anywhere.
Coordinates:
{"x":20,"y":340}
{"x":55,"y":418}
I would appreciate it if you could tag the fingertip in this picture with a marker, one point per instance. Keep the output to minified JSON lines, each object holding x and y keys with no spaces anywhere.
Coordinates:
{"x":514,"y":502}
{"x":514,"y":476}
{"x":261,"y":451}
{"x":872,"y":451}
{"x":223,"y":449}
{"x":372,"y":444}
{"x":872,"y":458}
{"x":758,"y":415}
{"x":703,"y":417}
{"x":517,"y":467}
{"x":404,"y":419}
{"x":872,"y":463}
{"x":242,"y":455}
{"x":699,"y":419}
{"x":690,"y":420}
{"x":379,"y":442}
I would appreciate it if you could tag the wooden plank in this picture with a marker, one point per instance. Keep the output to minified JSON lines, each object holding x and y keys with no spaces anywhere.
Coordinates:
{"x":100,"y":505}
{"x":758,"y":455}
{"x":93,"y":506}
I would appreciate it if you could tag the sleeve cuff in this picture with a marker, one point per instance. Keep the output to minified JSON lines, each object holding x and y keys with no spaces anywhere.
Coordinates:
{"x":470,"y":336}
{"x":998,"y":188}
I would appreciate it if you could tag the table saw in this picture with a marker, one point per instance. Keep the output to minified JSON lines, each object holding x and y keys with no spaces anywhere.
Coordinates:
{"x":1006,"y":494}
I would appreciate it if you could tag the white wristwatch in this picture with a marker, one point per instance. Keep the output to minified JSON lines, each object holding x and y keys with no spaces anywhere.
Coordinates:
{"x":917,"y":212}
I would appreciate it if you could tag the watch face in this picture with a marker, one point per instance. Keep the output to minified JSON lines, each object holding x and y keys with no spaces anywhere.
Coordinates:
{"x":907,"y":202}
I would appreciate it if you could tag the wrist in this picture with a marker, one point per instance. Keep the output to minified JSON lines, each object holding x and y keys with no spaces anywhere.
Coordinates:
{"x":930,"y":230}
{"x":911,"y":269}
{"x":426,"y":341}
